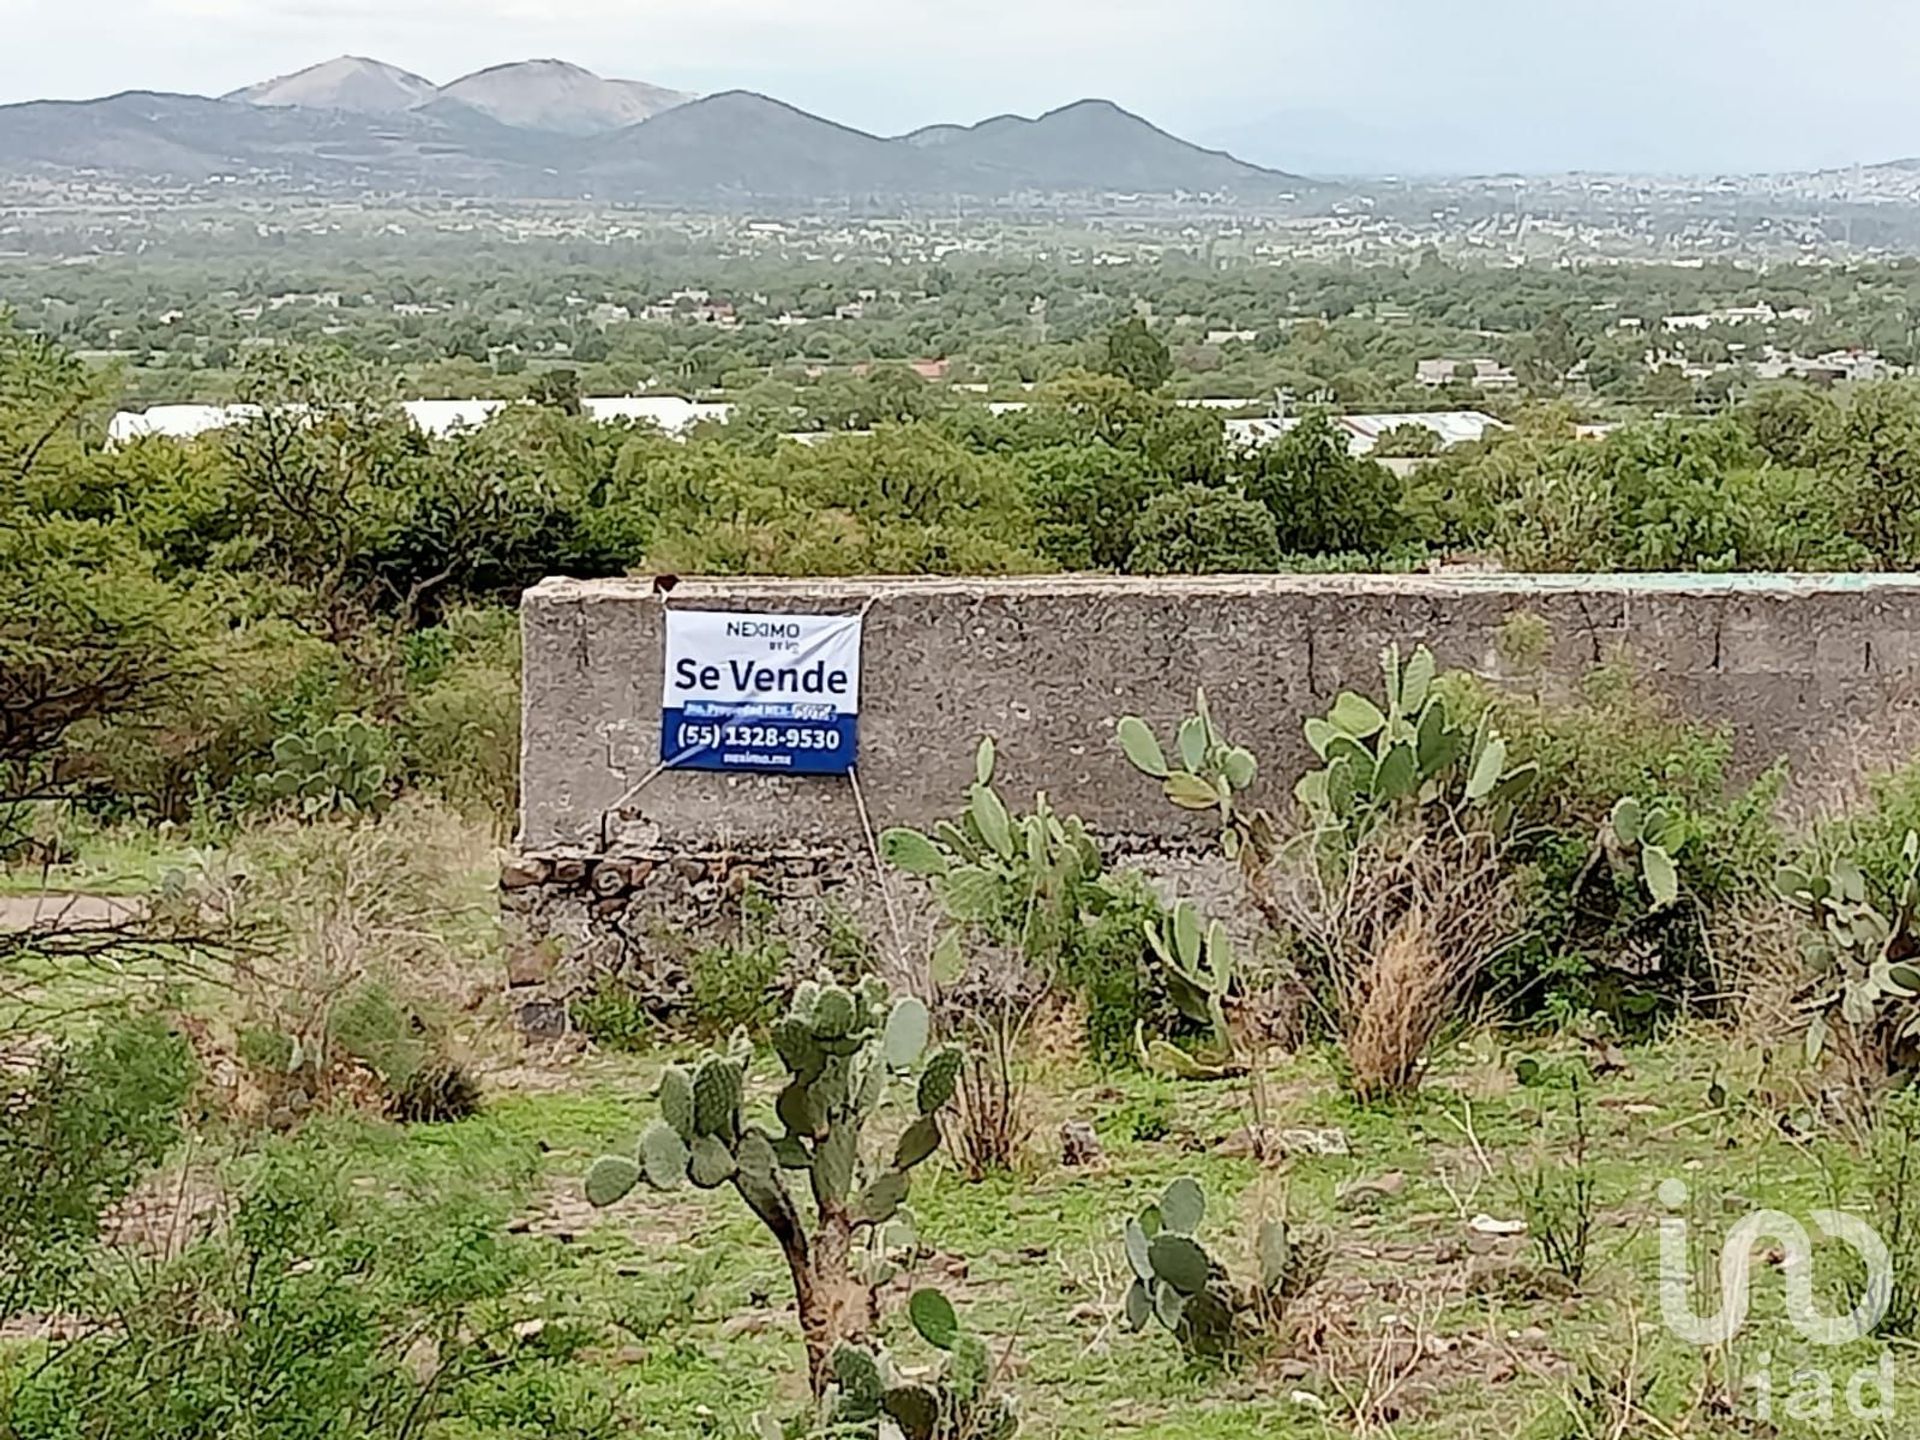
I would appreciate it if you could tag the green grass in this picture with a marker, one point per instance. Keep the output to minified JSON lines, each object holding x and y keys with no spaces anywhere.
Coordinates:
{"x":688,"y":1295}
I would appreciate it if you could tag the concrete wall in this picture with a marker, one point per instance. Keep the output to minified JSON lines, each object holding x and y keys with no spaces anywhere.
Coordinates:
{"x":1806,"y":668}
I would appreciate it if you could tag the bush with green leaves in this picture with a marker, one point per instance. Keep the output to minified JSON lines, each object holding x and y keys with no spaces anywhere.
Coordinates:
{"x":340,"y":768}
{"x":957,"y":1402}
{"x":1188,"y":1293}
{"x":1204,"y":530}
{"x":739,"y":980}
{"x":319,"y":1304}
{"x":843,"y":1051}
{"x":77,"y":1132}
{"x":1606,"y":932}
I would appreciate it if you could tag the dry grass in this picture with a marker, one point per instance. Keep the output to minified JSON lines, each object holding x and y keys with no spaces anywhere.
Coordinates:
{"x":1401,"y":928}
{"x":386,"y":923}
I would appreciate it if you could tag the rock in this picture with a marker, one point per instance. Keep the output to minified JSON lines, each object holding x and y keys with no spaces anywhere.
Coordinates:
{"x":1611,"y":1060}
{"x":609,"y":906}
{"x":542,"y":1019}
{"x":523,"y":872}
{"x":1314,"y":1142}
{"x":528,"y":965}
{"x":639,"y":872}
{"x":1367,"y":1194}
{"x":1079,"y":1145}
{"x":568,"y":872}
{"x":610,"y":877}
{"x":1487,"y":1225}
{"x":689,"y":869}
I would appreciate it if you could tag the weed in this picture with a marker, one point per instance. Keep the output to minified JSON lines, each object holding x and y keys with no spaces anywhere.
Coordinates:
{"x":740,"y":983}
{"x":615,"y":1018}
{"x":1556,"y":1197}
{"x":1895,"y":1176}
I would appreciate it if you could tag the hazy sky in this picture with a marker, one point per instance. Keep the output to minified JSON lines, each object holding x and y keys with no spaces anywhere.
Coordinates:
{"x":1315,"y":84}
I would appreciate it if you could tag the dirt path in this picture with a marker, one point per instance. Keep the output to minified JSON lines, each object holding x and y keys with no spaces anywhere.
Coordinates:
{"x":22,"y":913}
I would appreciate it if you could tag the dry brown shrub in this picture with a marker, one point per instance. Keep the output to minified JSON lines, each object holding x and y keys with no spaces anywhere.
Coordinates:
{"x":376,"y":932}
{"x":1398,"y":930}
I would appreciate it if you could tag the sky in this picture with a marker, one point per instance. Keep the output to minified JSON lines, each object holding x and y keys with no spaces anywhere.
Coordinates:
{"x":1322,"y":86}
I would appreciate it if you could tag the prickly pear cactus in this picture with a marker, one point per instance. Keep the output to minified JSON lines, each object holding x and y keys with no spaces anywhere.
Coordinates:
{"x":1410,"y":752}
{"x":844,"y":1051}
{"x":957,"y":1402}
{"x":1178,"y":1285}
{"x":1207,"y":772}
{"x":1198,"y":964}
{"x":1022,"y":878}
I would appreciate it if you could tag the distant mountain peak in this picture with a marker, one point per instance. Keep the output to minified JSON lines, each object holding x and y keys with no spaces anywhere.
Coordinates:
{"x":349,"y":82}
{"x":1095,"y":144}
{"x":558,"y":96}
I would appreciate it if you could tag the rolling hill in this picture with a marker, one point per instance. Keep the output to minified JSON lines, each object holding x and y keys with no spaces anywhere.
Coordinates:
{"x":1094,"y":145}
{"x":352,"y":82}
{"x":555,"y":96}
{"x":739,"y":144}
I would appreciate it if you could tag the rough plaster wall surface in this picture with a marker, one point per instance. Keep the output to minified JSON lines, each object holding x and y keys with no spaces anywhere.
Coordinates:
{"x":1802,"y":667}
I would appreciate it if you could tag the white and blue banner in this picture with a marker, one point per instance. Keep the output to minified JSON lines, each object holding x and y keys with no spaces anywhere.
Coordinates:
{"x":761,"y":692}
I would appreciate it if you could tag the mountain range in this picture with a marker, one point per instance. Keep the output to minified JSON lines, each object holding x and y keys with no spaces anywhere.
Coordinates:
{"x":550,"y":130}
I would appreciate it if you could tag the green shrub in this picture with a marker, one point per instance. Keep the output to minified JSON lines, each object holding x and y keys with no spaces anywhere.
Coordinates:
{"x":1106,"y":962}
{"x":1598,"y":938}
{"x":77,"y":1132}
{"x":304,"y":1316}
{"x":738,"y":984}
{"x":1201,"y":529}
{"x":1320,"y":494}
{"x":459,"y":725}
{"x":615,"y":1018}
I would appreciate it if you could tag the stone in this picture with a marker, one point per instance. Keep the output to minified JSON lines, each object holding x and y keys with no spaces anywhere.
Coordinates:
{"x":1484,"y":1224}
{"x":568,"y":872}
{"x":609,"y":906}
{"x":1368,"y":1194}
{"x":1314,"y":1142}
{"x":610,"y":877}
{"x":639,"y":872}
{"x":688,"y":869}
{"x":542,"y":1019}
{"x":1079,"y":1145}
{"x":523,"y":872}
{"x":528,"y":965}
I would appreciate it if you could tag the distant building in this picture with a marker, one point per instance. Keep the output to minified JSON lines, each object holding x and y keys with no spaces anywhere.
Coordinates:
{"x":1364,"y":432}
{"x":1480,"y":372}
{"x":438,"y":418}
